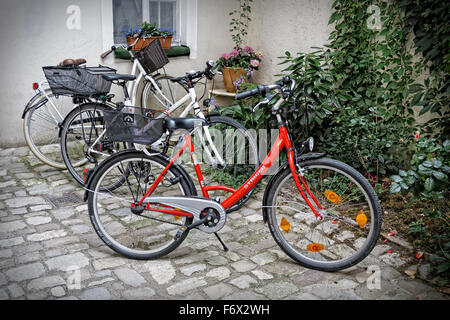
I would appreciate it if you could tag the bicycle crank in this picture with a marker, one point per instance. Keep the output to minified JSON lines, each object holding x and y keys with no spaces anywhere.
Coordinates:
{"x":209,"y":215}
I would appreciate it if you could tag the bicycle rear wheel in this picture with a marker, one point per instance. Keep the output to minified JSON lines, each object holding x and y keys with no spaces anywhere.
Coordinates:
{"x":352,"y":215}
{"x":41,"y":126}
{"x":147,"y":235}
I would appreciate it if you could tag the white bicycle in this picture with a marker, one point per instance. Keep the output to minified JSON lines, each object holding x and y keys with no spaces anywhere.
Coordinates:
{"x":46,"y":110}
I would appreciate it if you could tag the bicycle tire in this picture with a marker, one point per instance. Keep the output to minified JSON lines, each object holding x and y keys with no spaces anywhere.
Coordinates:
{"x":315,"y":256}
{"x":149,"y":100}
{"x":46,"y":141}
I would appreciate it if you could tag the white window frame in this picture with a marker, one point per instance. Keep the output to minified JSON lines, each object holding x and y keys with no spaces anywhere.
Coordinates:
{"x":186,"y":23}
{"x":146,"y":17}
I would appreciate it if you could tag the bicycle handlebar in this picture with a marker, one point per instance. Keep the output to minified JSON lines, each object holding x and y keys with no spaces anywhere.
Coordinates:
{"x":208,"y":72}
{"x":264,"y":90}
{"x":128,"y":48}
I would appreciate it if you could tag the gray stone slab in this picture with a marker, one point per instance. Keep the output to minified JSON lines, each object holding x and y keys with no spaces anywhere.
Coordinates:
{"x":130,"y":277}
{"x":25,"y":272}
{"x":63,"y":263}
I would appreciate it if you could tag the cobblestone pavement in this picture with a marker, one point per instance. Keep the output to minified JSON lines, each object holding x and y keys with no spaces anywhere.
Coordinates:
{"x":49,"y":250}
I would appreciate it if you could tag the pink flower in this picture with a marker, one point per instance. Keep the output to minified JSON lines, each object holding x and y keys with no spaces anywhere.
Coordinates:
{"x":248,"y":49}
{"x":254,"y":63}
{"x":416,"y":136}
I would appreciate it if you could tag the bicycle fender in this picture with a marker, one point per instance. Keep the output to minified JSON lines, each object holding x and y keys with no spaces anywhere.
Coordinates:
{"x":284,"y":166}
{"x":183,"y":172}
{"x":31,"y":105}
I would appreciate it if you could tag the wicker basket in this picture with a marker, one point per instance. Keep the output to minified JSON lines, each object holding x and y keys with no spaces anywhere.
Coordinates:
{"x":132,"y":124}
{"x":75,"y":81}
{"x":153,"y":57}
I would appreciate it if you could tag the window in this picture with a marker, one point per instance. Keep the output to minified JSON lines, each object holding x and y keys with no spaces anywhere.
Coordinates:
{"x":164,"y":14}
{"x":179,"y":15}
{"x":130,"y":13}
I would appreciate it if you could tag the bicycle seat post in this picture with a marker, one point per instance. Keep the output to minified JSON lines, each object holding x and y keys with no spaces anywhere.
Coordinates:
{"x":125,"y":90}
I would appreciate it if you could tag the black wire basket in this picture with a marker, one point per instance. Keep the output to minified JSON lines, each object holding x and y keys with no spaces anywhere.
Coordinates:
{"x":79,"y":82}
{"x":153,"y":57}
{"x":133,"y":124}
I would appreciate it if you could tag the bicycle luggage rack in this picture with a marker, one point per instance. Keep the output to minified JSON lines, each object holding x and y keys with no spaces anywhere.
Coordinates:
{"x":78,"y":81}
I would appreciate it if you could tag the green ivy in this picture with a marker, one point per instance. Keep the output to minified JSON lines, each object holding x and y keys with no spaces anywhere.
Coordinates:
{"x":428,"y":19}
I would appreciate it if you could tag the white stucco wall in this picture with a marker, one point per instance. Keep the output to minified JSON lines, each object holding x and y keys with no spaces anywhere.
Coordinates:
{"x":33,"y":34}
{"x":286,"y":25}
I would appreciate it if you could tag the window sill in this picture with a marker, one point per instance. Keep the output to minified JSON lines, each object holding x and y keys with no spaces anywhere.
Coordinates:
{"x":175,"y":51}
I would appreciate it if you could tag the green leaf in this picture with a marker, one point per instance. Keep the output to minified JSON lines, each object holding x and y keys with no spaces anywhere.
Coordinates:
{"x":410,"y":180}
{"x":425,"y":171}
{"x":429,"y":184}
{"x":440,"y":175}
{"x":396,"y":178}
{"x":395,"y":188}
{"x":436,"y":163}
{"x":404,"y":186}
{"x":334,"y":17}
{"x":402,"y":173}
{"x":447,"y":145}
{"x":427,"y":164}
{"x":413,"y":173}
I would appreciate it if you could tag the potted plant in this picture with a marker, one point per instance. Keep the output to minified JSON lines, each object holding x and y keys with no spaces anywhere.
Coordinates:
{"x":165,"y":36}
{"x":237,"y":66}
{"x":150,"y":33}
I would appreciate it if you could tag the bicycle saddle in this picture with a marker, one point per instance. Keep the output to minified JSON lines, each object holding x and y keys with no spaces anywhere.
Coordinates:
{"x":71,"y":62}
{"x":116,"y":76}
{"x":184,"y":123}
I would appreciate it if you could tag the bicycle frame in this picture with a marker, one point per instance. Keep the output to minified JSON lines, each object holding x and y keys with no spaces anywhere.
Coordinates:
{"x":282,"y":142}
{"x":133,"y":86}
{"x":192,"y":95}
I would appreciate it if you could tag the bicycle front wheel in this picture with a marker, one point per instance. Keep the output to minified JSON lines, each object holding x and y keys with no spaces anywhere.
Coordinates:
{"x":84,"y":142}
{"x":151,"y":98}
{"x":146,"y":235}
{"x":351,"y":215}
{"x":41,"y":126}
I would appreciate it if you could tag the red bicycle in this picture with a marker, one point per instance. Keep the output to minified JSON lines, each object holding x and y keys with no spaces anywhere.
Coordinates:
{"x":321,"y":212}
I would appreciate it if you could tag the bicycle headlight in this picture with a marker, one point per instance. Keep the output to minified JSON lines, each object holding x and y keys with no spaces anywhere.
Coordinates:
{"x":310,"y":143}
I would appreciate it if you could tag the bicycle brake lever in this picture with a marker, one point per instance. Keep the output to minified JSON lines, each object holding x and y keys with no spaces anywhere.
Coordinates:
{"x":265,"y":101}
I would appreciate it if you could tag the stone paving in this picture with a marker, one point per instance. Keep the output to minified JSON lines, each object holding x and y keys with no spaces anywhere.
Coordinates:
{"x":48,"y":250}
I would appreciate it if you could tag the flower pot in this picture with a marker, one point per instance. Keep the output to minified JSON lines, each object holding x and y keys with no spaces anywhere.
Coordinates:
{"x":166,"y":42}
{"x":230,"y":75}
{"x":141,"y":44}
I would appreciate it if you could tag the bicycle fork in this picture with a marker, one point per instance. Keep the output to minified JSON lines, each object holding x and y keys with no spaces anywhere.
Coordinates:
{"x":299,"y":178}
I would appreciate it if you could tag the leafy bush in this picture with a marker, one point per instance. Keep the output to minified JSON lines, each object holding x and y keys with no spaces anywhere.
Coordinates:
{"x":427,"y":177}
{"x":315,"y":97}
